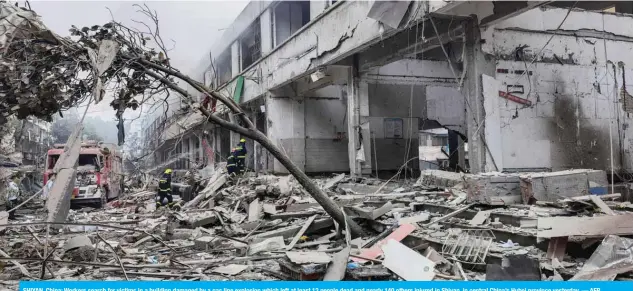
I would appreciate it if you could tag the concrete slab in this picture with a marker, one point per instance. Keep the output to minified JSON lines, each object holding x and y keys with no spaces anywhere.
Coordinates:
{"x":254,"y":210}
{"x":407,"y":263}
{"x":494,"y":188}
{"x":585,"y":226}
{"x":231,"y":269}
{"x":308,"y":257}
{"x":269,"y":244}
{"x":556,"y":185}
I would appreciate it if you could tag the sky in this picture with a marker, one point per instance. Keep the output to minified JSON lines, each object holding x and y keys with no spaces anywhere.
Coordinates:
{"x":194,"y":26}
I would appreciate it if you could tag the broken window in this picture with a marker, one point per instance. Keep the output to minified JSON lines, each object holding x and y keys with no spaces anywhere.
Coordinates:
{"x":288,"y":18}
{"x":251,"y":44}
{"x":52,"y":160}
{"x":88,"y":160}
{"x":223,"y":67}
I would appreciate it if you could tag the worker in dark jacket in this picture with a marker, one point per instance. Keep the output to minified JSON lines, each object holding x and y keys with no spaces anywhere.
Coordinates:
{"x":240,"y":152}
{"x":164,"y":190}
{"x":231,"y":165}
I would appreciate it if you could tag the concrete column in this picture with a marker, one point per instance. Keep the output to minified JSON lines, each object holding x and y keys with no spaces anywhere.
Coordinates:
{"x":475,"y":113}
{"x":286,"y":128}
{"x":235,"y":59}
{"x":358,"y":125}
{"x":266,"y":31}
{"x":317,"y":7}
{"x":192,"y":151}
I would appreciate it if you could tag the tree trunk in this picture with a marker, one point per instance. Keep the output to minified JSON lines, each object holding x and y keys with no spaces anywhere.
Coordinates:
{"x":328,"y":205}
{"x":319,"y":195}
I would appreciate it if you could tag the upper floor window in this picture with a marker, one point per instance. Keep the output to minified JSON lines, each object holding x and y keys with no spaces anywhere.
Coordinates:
{"x":288,"y":17}
{"x":251,"y":44}
{"x":223,"y":67}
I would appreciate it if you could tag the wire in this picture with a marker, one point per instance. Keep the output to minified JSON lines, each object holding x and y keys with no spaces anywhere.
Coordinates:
{"x":546,"y":43}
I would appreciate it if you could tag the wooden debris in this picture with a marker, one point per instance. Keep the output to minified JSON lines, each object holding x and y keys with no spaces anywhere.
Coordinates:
{"x":301,"y":232}
{"x":480,"y":218}
{"x":603,"y":206}
{"x":452,"y":214}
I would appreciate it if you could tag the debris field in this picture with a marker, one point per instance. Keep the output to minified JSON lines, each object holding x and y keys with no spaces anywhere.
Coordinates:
{"x":442,"y":226}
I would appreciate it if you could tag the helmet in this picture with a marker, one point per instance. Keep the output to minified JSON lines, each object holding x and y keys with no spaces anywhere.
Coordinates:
{"x":242,"y":140}
{"x":168,"y":171}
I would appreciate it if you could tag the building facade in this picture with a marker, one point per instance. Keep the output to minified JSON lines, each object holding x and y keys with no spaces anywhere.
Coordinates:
{"x":35,"y":141}
{"x":346,"y":86}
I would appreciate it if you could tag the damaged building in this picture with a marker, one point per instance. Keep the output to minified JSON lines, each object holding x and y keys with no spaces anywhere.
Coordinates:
{"x":526,"y":103}
{"x":344,"y":87}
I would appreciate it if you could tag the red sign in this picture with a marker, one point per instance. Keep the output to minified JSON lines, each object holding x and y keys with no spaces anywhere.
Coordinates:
{"x":515,"y":98}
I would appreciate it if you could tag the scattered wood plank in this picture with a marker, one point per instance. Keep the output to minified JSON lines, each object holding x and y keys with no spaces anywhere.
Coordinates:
{"x":480,"y":218}
{"x":301,"y":232}
{"x":603,"y":206}
{"x":585,"y":226}
{"x":452,"y":214}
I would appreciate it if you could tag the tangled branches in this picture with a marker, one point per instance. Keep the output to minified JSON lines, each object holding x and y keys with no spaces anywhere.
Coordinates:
{"x":39,"y":71}
{"x":131,"y":64}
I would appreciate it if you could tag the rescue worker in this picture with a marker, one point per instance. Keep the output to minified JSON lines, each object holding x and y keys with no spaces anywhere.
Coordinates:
{"x":12,"y":195}
{"x":240,"y":152}
{"x":231,"y":166}
{"x":164,"y":190}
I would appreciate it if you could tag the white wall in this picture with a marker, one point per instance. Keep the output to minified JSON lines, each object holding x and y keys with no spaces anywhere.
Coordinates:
{"x":325,"y":116}
{"x":286,"y":127}
{"x":577,"y":109}
{"x":306,"y":129}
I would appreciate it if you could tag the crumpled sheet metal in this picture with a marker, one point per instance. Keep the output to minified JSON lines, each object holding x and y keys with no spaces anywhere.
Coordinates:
{"x":614,"y":256}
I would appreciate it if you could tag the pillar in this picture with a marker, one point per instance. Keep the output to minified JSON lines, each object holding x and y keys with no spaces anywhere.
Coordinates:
{"x":266,"y":32}
{"x":192,"y":151}
{"x":235,"y":59}
{"x":358,"y":129}
{"x":476,"y":65}
{"x":286,"y":128}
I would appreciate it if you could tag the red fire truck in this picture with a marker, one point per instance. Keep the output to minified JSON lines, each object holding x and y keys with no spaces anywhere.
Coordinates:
{"x":99,"y":173}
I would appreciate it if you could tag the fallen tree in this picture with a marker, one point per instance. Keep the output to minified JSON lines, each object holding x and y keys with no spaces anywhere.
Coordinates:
{"x":132,"y":63}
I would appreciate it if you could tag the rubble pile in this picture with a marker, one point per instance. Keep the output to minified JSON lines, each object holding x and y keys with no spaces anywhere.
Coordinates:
{"x":444,"y":226}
